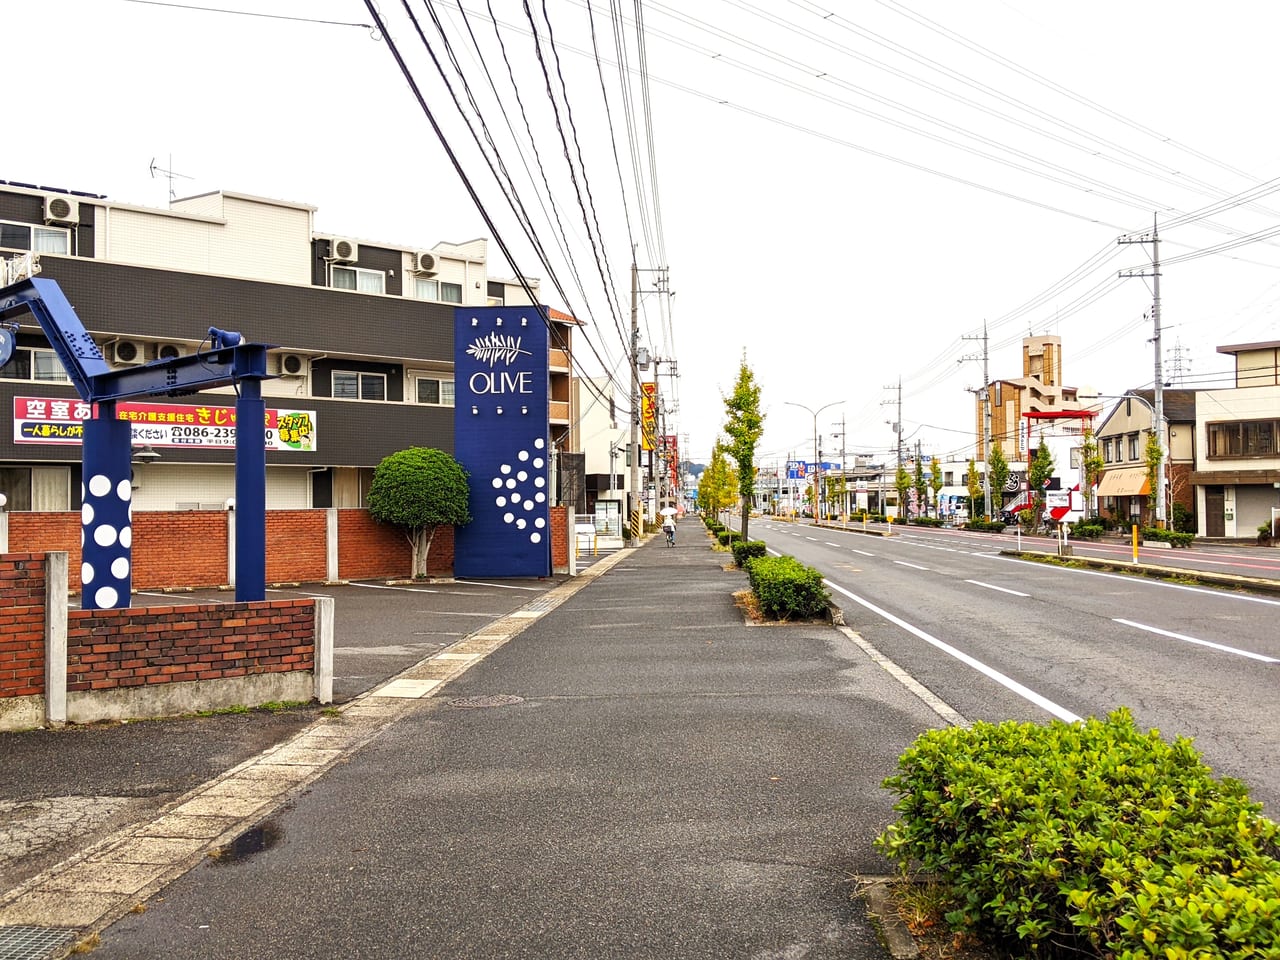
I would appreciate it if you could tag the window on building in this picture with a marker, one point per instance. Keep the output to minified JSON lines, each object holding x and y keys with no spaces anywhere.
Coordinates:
{"x":349,"y":385}
{"x":359,"y":279}
{"x":34,"y":363}
{"x":439,"y":290}
{"x":435,"y":391}
{"x":26,"y":236}
{"x":1106,"y":451}
{"x":1243,"y":438}
{"x":1133,"y":446}
{"x":497,"y":293}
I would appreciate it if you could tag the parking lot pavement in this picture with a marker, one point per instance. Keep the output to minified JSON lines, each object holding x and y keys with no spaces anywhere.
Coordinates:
{"x":65,"y":789}
{"x":382,"y":627}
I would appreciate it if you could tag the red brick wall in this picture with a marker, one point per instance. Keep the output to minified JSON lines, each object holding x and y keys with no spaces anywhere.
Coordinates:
{"x":188,"y":548}
{"x":108,"y":649}
{"x":176,"y":548}
{"x":46,"y":532}
{"x":295,"y":545}
{"x":559,"y":538}
{"x":370,"y":549}
{"x":22,"y":600}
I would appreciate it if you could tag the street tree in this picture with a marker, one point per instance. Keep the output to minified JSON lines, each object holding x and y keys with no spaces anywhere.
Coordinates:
{"x":1039,"y":474}
{"x":1153,"y":454}
{"x":716,"y":488}
{"x":1091,"y":466}
{"x":935,"y":478}
{"x":420,"y":490}
{"x":975,"y":488}
{"x":998,"y":471}
{"x":921,"y":485}
{"x":744,"y":425}
{"x":903,"y":484}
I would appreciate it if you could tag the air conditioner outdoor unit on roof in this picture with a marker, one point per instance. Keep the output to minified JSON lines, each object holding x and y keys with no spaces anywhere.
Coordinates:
{"x":344,"y":251}
{"x":61,"y":210}
{"x":425,"y":262}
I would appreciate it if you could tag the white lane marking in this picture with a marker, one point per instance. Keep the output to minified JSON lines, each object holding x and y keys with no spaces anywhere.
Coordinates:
{"x":830,"y":544}
{"x":498,"y":586}
{"x":863,"y":552}
{"x":1223,"y":594}
{"x":930,"y":699}
{"x":814,"y":539}
{"x":1062,"y":713}
{"x":913,"y":566}
{"x":383,"y":586}
{"x":992,"y":586}
{"x":1204,"y":643}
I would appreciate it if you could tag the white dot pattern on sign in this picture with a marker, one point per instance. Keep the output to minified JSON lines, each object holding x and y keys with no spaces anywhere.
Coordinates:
{"x":529,"y":498}
{"x":106,"y":597}
{"x":124,"y":490}
{"x":104,"y":535}
{"x":126,"y":537}
{"x":99,"y":484}
{"x":119,"y":568}
{"x":86,"y":513}
{"x":86,"y":573}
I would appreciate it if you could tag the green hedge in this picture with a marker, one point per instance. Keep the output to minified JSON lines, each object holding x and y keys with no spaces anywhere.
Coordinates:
{"x":925,"y":522}
{"x":1091,"y":838}
{"x":744,"y":550}
{"x":786,"y":588}
{"x":1167,"y":536}
{"x":727,"y":537}
{"x":986,"y":526}
{"x":1087,"y":531}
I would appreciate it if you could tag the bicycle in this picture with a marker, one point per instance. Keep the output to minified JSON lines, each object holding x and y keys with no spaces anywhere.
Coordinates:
{"x":671,"y":536}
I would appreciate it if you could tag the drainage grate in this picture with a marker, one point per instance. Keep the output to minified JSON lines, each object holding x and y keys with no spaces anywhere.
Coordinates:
{"x":496,"y":700}
{"x":32,"y":943}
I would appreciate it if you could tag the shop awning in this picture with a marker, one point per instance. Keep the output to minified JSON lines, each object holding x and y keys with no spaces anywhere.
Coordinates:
{"x":1125,"y":482}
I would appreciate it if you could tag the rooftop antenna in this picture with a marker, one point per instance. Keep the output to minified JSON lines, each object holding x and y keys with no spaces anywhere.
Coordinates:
{"x":169,"y":175}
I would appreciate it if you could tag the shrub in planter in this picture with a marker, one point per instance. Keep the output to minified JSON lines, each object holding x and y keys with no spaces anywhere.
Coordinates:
{"x":986,"y":526}
{"x":744,"y":550}
{"x":1091,"y":838}
{"x":786,"y":588}
{"x":1086,"y":531}
{"x":727,"y":537}
{"x":1168,"y":536}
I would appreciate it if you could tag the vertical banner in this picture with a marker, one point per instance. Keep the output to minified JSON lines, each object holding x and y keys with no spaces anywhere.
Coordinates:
{"x":648,"y":416}
{"x":500,"y":417}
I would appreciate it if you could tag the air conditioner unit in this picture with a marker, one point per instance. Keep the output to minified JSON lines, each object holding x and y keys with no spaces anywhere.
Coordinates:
{"x":127,"y":352}
{"x":344,"y":251}
{"x":167,"y":351}
{"x":61,"y":210}
{"x":425,"y":262}
{"x":292,"y":365}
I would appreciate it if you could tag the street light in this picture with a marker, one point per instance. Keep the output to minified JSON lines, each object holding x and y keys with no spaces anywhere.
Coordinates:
{"x":1162,"y":471}
{"x":817,"y":469}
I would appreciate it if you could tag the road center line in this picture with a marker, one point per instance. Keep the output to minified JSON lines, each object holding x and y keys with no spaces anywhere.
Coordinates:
{"x":1204,"y":643}
{"x":913,"y":566}
{"x":1062,"y":713}
{"x":863,"y":552}
{"x":830,"y":544}
{"x":992,"y":586}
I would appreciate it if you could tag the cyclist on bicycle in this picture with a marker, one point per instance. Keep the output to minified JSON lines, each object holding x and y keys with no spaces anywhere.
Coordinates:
{"x":669,"y":528}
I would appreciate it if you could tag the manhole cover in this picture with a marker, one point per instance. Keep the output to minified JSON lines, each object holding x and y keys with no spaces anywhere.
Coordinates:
{"x":32,"y":943}
{"x":497,"y":700}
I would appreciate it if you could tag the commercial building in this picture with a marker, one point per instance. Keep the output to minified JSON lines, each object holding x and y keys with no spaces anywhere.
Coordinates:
{"x":362,"y":336}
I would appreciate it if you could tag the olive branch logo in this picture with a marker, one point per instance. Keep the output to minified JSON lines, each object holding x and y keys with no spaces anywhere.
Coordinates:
{"x":494,"y":347}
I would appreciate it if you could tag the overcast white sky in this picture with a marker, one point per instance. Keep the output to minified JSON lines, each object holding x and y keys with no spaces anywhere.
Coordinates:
{"x":800,"y":219}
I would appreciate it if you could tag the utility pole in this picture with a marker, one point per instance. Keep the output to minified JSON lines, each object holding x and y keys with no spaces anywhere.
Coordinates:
{"x":1157,"y":422}
{"x":633,"y":501}
{"x":985,"y":395}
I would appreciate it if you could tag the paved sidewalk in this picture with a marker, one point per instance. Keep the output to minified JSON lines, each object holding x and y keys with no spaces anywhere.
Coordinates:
{"x":621,"y":768}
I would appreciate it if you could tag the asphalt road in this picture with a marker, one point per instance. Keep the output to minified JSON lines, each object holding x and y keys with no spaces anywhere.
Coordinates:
{"x":998,"y":638}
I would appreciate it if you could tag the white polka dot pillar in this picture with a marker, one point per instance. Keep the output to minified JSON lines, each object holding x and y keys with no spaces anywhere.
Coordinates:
{"x":106,"y":513}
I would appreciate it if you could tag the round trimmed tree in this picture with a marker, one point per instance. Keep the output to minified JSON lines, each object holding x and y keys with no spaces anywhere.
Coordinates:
{"x":420,"y":489}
